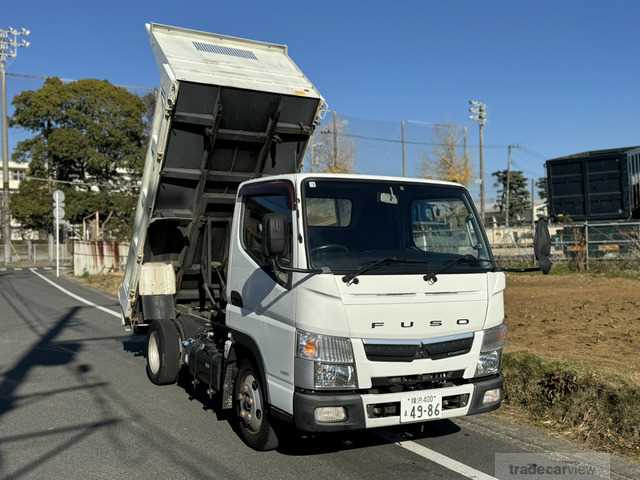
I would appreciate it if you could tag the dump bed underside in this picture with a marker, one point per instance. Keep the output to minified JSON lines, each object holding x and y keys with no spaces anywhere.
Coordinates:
{"x":219,"y":137}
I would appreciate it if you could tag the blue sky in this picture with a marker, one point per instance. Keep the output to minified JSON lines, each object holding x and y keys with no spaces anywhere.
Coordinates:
{"x":558,"y":77}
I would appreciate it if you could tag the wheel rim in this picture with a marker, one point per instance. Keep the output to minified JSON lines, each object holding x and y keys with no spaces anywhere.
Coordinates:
{"x":250,"y":403}
{"x":153,"y":353}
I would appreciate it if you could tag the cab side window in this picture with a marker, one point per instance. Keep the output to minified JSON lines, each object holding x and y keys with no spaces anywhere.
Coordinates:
{"x":255,"y":208}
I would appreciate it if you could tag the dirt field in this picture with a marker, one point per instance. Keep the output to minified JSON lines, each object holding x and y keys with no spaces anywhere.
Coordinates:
{"x":591,"y":319}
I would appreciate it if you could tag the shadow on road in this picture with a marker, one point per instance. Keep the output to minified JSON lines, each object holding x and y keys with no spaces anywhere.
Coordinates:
{"x":44,"y":353}
{"x":295,"y":444}
{"x":120,"y":421}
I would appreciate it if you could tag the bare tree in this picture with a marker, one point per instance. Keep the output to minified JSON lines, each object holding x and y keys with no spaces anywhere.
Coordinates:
{"x":331,"y":150}
{"x":448,"y":159}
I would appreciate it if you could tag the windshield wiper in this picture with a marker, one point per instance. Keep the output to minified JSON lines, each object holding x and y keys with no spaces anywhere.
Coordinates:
{"x":352,"y":277}
{"x":432,"y":277}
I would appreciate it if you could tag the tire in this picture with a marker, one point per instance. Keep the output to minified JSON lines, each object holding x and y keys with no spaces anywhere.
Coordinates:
{"x":250,"y":417}
{"x":163,"y":352}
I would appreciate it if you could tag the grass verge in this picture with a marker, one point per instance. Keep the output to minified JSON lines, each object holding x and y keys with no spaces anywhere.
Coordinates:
{"x":107,"y":282}
{"x":603,"y":411}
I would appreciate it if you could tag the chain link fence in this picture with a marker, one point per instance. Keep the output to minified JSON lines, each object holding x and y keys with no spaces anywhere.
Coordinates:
{"x":377,"y":147}
{"x":30,"y":253}
{"x":579,"y":246}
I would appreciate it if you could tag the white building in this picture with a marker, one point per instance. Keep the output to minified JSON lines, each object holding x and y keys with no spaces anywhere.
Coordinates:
{"x":17,"y":173}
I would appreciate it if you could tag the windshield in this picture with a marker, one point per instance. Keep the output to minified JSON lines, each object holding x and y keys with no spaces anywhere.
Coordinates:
{"x":352,"y":223}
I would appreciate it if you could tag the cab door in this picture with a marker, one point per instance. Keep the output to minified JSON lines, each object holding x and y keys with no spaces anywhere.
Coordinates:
{"x":260,"y":299}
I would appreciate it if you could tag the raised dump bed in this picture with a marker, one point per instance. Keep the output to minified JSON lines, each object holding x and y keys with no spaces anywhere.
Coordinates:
{"x":227,"y":110}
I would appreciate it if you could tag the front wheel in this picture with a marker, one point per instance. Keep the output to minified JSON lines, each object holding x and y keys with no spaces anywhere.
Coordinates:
{"x":252,"y":423}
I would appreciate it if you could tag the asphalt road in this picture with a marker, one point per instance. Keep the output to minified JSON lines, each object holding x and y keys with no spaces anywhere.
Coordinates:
{"x":75,"y":402}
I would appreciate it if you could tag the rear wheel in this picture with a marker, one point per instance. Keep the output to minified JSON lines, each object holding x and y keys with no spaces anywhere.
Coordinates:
{"x":163,"y":352}
{"x":252,"y":422}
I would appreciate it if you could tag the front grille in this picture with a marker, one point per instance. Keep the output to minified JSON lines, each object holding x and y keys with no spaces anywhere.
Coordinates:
{"x":379,"y":351}
{"x":426,"y":380}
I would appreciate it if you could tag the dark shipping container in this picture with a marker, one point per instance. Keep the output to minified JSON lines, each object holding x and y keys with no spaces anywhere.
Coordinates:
{"x":596,"y":185}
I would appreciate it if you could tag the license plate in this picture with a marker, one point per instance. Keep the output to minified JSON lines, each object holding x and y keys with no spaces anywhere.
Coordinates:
{"x":416,"y":407}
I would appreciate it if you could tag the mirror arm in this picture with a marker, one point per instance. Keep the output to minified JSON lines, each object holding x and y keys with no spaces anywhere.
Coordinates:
{"x":284,"y":268}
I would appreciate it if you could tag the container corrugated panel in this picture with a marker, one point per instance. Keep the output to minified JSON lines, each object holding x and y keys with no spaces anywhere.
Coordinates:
{"x":593,"y":185}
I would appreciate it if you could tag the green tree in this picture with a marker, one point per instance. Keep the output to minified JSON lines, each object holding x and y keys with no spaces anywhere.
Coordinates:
{"x":542,"y":186}
{"x":90,"y":133}
{"x":519,"y":198}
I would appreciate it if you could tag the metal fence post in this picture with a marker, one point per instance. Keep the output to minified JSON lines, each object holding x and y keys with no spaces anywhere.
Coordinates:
{"x":586,"y":246}
{"x":404,"y":147}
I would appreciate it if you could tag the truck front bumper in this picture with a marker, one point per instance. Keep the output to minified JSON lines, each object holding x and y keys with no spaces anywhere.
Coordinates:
{"x":359,"y":408}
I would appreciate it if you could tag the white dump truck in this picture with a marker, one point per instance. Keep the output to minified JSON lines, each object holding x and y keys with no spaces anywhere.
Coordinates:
{"x":329,"y":302}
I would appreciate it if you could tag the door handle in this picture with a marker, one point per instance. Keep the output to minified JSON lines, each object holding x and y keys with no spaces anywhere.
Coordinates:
{"x":236,"y":299}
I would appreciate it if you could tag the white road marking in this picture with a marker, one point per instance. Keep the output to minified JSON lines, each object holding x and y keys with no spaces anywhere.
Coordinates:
{"x":3,"y":269}
{"x":17,"y":269}
{"x":47,"y":268}
{"x":443,"y":460}
{"x":77,"y":297}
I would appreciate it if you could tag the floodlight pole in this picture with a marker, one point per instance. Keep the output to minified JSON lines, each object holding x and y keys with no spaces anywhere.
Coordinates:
{"x":481,"y":154}
{"x":6,"y":214}
{"x":9,"y":44}
{"x":478,"y":111}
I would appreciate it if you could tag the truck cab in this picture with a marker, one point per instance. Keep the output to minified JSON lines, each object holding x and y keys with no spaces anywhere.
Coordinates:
{"x":373,"y":301}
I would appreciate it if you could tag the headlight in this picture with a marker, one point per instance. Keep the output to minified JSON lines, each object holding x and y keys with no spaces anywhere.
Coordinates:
{"x":491,"y":351}
{"x":333,"y":363}
{"x":334,"y":375}
{"x":489,"y":363}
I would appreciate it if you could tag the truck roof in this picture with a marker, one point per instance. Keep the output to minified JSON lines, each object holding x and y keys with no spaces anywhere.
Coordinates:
{"x":385,"y":178}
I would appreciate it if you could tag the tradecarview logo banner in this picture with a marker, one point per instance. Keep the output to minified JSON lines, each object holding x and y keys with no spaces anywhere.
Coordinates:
{"x":552,"y":466}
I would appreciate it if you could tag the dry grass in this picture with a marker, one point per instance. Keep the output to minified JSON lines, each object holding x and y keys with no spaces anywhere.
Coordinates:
{"x":107,"y":282}
{"x":600,"y":410}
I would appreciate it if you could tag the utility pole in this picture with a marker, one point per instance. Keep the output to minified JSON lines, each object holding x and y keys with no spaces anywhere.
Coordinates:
{"x":464,"y":147}
{"x":335,"y":138}
{"x":313,"y":157}
{"x":533,"y":203}
{"x":478,"y":111}
{"x":404,"y":147}
{"x":507,"y":196}
{"x":10,"y":41}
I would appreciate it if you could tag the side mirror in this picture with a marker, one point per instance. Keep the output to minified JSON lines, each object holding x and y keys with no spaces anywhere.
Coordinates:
{"x":542,"y":245}
{"x":274,"y":228}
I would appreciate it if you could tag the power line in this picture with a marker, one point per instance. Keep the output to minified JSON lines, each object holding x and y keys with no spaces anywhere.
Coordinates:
{"x":408,"y":142}
{"x":76,"y":182}
{"x":533,"y":152}
{"x":28,"y":76}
